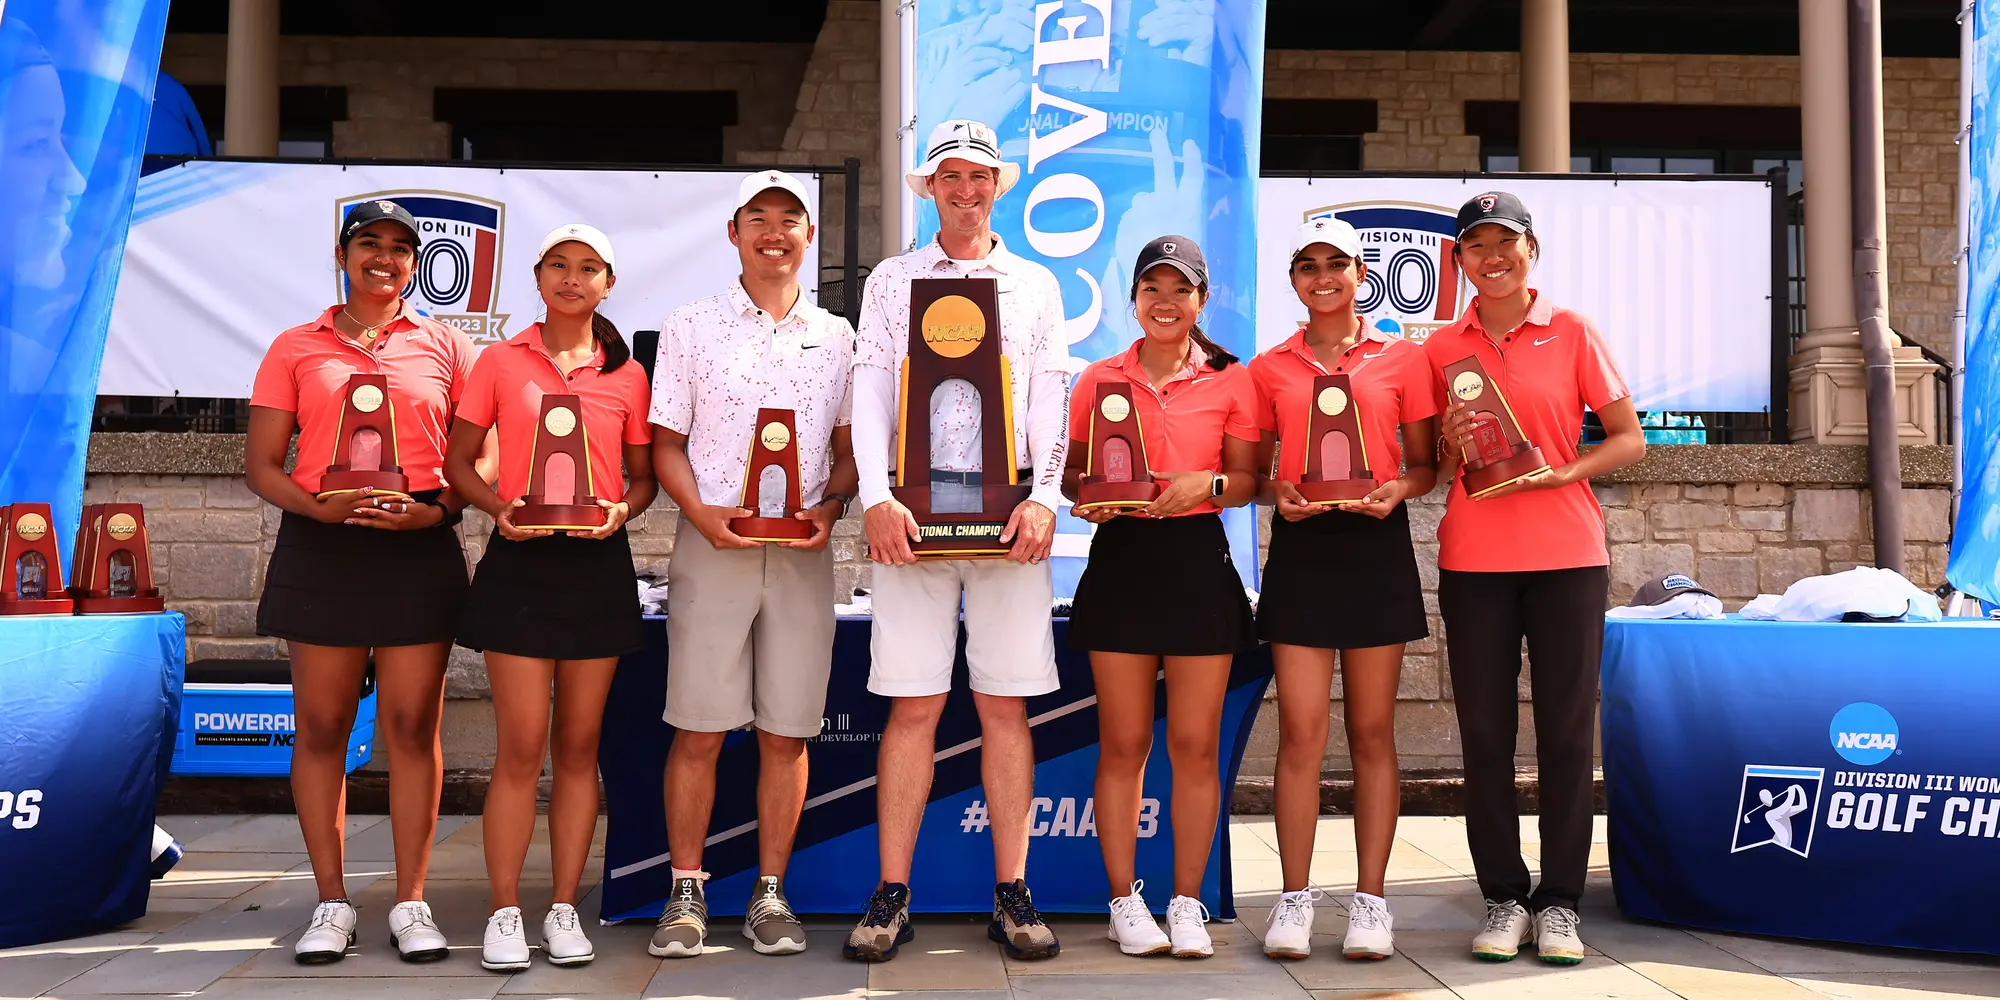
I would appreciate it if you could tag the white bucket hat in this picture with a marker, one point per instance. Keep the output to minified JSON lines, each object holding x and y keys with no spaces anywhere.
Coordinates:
{"x":964,"y":139}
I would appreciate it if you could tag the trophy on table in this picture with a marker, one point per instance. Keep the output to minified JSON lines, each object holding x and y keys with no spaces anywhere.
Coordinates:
{"x":955,"y":334}
{"x":1336,"y":455}
{"x":559,"y":494}
{"x":775,"y":446}
{"x":364,"y":447}
{"x":112,"y":572}
{"x":1116,"y":476}
{"x":31,"y":580}
{"x":1500,"y":453}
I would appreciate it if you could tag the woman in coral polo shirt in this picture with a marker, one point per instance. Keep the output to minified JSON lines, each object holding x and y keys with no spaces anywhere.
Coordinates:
{"x":362,"y":570}
{"x":553,"y":609}
{"x":1340,"y":578}
{"x":1526,"y":560}
{"x":1160,"y":591}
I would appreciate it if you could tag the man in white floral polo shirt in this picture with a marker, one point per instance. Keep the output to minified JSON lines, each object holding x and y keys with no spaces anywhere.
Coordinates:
{"x":749,"y":624}
{"x":1009,"y":644}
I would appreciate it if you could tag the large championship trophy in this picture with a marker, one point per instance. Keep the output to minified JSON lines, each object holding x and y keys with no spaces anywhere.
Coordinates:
{"x":364,"y":448}
{"x":1336,"y":456}
{"x":559,"y":495}
{"x":955,"y":333}
{"x":775,"y":445}
{"x":1115,"y":473}
{"x":112,"y":572}
{"x":1500,"y":453}
{"x":31,"y":580}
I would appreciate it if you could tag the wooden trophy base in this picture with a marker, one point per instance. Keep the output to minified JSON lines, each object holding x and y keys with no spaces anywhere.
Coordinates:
{"x":1494,"y":475}
{"x":536,"y":516}
{"x":1335,"y":492}
{"x":144,"y":604}
{"x":771,"y":529}
{"x":47,"y":606}
{"x":962,"y":536}
{"x":389,"y":485}
{"x":1095,"y":494}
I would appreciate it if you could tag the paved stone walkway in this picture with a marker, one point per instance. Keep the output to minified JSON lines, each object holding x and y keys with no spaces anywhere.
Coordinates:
{"x":222,"y":925}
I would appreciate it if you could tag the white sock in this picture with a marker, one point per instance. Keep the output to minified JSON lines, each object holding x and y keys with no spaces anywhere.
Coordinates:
{"x":681,"y":873}
{"x":1362,"y":896}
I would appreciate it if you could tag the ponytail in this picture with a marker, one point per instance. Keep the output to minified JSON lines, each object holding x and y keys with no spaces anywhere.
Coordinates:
{"x":610,"y":342}
{"x":1218,"y":359}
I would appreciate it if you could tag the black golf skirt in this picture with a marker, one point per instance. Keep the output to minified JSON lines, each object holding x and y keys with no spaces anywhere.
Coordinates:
{"x":1161,"y":587}
{"x":558,"y":597}
{"x":348,"y":585}
{"x":1342,"y":580}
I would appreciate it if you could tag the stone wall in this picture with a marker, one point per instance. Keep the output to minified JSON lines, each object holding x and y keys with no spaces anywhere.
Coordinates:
{"x":1740,"y":519}
{"x":1420,"y":104}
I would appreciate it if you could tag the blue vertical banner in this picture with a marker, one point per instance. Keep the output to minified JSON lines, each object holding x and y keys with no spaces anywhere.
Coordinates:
{"x":1131,"y":119}
{"x":1975,"y":540}
{"x":76,"y":91}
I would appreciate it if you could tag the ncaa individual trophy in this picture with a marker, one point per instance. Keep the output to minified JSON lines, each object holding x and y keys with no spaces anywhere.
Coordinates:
{"x":1115,"y":474}
{"x":774,"y":446}
{"x":364,"y":448}
{"x":955,"y":333}
{"x":1500,"y":453}
{"x":112,"y":572}
{"x":559,"y":496}
{"x":1336,"y":456}
{"x":31,"y":580}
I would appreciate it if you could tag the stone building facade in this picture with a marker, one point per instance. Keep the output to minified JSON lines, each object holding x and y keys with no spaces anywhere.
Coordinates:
{"x":820,"y":103}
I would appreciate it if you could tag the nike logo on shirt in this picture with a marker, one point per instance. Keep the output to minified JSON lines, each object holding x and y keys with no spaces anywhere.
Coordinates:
{"x":1539,"y":343}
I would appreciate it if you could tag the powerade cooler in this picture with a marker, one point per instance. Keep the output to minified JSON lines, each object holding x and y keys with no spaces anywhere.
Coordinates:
{"x":237,"y":720}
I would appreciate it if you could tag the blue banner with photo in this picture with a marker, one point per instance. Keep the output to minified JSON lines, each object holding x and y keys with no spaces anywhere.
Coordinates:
{"x":1131,"y":119}
{"x":1975,"y":542}
{"x":76,"y":91}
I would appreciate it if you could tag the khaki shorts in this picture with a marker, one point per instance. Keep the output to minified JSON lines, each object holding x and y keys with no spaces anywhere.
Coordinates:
{"x":1009,"y":638}
{"x":749,"y":637}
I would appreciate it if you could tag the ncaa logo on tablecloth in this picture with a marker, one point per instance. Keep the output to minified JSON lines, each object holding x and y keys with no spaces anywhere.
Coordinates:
{"x":1413,"y":285}
{"x":1778,"y":807}
{"x":1863,"y":733}
{"x":457,"y":273}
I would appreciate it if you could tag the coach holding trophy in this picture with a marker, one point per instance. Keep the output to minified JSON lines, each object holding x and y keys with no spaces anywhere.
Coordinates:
{"x":1010,"y":647}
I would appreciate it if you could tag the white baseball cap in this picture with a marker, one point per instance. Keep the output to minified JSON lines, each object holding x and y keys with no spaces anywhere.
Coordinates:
{"x":589,"y":236}
{"x":963,"y":139}
{"x":765,"y":180}
{"x":1330,"y":231}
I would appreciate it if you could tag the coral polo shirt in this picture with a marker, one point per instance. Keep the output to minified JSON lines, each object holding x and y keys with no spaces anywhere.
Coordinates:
{"x":305,"y":374}
{"x":1182,"y":422}
{"x":507,"y":386}
{"x":1549,"y":368}
{"x":1392,"y":385}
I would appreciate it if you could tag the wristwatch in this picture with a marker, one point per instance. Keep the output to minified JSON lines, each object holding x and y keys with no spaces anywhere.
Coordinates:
{"x":846,"y":501}
{"x":1218,"y":485}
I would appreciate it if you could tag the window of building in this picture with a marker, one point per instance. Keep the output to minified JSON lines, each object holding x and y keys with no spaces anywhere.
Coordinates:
{"x":1652,"y":138}
{"x":305,"y":117}
{"x":575,"y":126}
{"x":1304,"y":135}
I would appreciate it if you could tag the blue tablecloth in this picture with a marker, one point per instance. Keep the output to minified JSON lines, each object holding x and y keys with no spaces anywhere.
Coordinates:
{"x":1831,"y":781}
{"x":88,"y":710}
{"x":834,"y":866}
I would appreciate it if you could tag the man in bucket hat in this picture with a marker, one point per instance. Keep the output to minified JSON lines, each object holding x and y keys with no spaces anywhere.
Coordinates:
{"x":1009,"y":645}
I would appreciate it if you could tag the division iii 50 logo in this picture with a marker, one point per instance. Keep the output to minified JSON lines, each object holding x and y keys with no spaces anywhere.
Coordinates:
{"x":457,"y":279}
{"x":1413,"y":283}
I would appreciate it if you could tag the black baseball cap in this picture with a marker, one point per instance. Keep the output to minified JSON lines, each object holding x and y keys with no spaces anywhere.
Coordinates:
{"x":369,"y":212}
{"x":1179,"y":251}
{"x":1666,"y":588}
{"x":1494,"y":206}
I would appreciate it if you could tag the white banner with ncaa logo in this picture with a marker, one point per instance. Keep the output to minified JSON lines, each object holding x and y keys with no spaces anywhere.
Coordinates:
{"x":1676,"y":273}
{"x":223,"y":256}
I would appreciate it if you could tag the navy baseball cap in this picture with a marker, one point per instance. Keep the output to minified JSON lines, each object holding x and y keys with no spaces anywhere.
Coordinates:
{"x":369,"y":212}
{"x":1497,"y":207}
{"x":1179,"y":251}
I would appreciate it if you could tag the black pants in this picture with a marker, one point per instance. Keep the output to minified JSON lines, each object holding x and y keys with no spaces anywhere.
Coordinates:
{"x":1561,"y":614}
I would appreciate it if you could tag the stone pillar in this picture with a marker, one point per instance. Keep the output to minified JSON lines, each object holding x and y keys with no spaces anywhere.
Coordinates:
{"x":250,"y":117}
{"x":1828,"y":384}
{"x":1545,"y":86}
